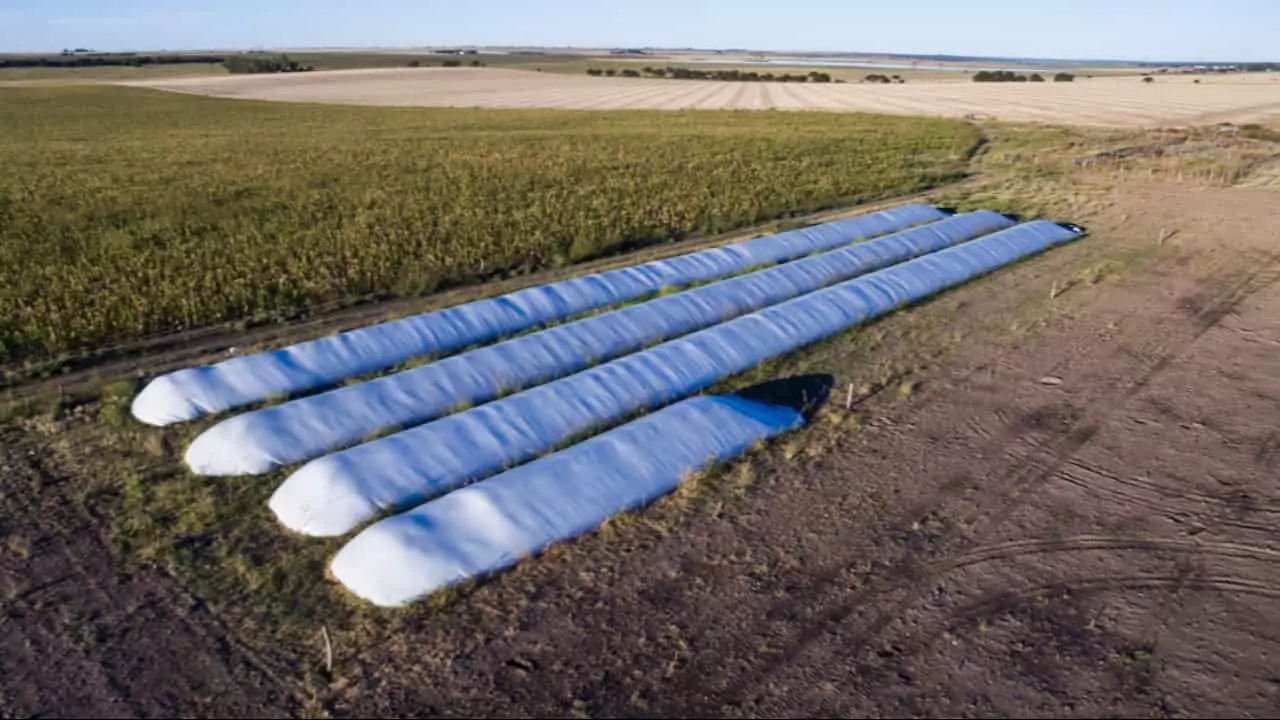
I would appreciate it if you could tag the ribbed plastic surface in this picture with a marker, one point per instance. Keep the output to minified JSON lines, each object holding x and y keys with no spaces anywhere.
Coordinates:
{"x":490,"y":525}
{"x":302,"y":429}
{"x":333,"y":494}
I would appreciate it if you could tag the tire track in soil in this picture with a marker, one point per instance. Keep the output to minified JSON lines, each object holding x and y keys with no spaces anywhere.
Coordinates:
{"x":1125,"y":582}
{"x":1006,"y":601}
{"x":1044,"y":461}
{"x":1020,"y":548}
{"x":1138,"y":492}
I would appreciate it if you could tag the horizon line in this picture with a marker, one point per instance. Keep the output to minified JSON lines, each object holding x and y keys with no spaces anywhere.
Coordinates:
{"x":951,"y":57}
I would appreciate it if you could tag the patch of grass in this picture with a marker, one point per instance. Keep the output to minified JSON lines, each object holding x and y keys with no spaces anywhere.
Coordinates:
{"x":696,"y":482}
{"x":1137,"y":658}
{"x":113,"y":402}
{"x":1254,"y":131}
{"x":460,"y":406}
{"x":126,"y":211}
{"x":18,"y":546}
{"x":381,"y":433}
{"x":113,"y":414}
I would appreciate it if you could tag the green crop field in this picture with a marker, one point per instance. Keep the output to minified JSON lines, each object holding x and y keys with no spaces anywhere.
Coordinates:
{"x":128,"y":211}
{"x":109,"y":72}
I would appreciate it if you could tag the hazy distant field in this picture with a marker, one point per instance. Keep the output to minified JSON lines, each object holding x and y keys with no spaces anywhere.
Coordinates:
{"x":1100,"y":101}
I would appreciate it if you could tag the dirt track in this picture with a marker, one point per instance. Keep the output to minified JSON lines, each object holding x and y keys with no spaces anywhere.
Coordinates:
{"x":1100,"y":101}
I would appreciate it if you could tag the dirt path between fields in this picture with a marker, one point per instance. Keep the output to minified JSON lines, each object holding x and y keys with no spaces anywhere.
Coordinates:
{"x":1068,"y":507}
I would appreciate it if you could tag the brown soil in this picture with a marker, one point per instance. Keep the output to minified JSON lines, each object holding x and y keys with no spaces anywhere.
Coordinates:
{"x":1117,"y":101}
{"x":1056,"y":495}
{"x":85,"y":637}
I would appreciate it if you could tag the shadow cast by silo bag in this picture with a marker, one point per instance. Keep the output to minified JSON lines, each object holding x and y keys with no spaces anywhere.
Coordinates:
{"x":805,"y":394}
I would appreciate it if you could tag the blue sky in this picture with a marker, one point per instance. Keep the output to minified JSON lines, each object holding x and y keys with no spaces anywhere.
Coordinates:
{"x":1129,"y":29}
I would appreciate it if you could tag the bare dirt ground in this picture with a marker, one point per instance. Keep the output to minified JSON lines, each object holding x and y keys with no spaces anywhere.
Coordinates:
{"x":1053,"y":493}
{"x":84,"y":637}
{"x":1100,"y":101}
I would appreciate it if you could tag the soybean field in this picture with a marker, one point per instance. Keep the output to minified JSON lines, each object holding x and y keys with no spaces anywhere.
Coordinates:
{"x":127,"y":211}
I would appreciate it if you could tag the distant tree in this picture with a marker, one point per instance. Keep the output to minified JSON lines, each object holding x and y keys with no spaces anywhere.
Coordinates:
{"x":1148,"y":79}
{"x":1036,"y":77}
{"x":1197,"y":81}
{"x":611,"y":72}
{"x":255,"y":63}
{"x":593,"y":72}
{"x":630,"y":73}
{"x":476,"y":63}
{"x":415,"y":63}
{"x":451,"y":63}
{"x":1064,"y":77}
{"x":876,"y":78}
{"x":819,"y":77}
{"x":998,"y":76}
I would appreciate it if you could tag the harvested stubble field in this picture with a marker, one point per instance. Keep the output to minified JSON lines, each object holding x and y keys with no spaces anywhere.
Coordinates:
{"x":1052,"y":491}
{"x":1120,"y":101}
{"x":127,"y":211}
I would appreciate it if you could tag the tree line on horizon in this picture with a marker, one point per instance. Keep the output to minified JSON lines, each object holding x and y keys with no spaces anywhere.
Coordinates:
{"x":69,"y":59}
{"x":254,"y":63}
{"x":1010,"y":76}
{"x":683,"y":73}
